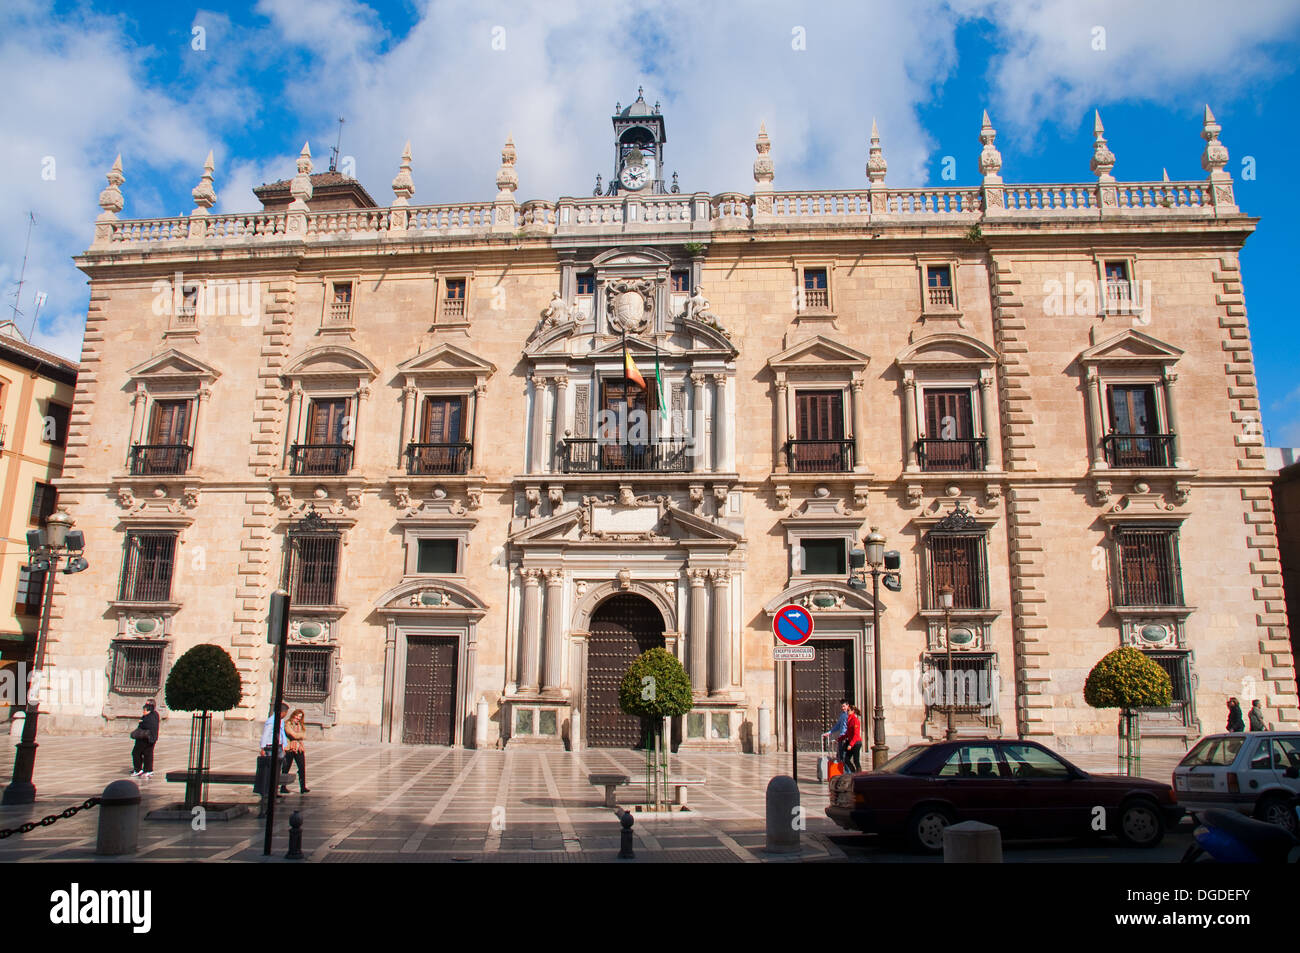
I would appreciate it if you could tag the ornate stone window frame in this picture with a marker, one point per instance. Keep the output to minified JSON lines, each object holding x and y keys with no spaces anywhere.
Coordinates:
{"x":820,"y":363}
{"x":943,"y":314}
{"x":949,"y":359}
{"x":1137,"y":306}
{"x":980,"y":621}
{"x":444,"y":370}
{"x":170,"y":375}
{"x":328,"y":325}
{"x":328,"y":371}
{"x":128,"y":706}
{"x":433,"y":524}
{"x":441,"y":320}
{"x":821,"y":519}
{"x":801,"y":305}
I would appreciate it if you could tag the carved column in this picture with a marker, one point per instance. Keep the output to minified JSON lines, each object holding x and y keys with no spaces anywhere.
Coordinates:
{"x":363,"y":395}
{"x":720,"y":644}
{"x":1094,"y":419}
{"x":539,"y":424}
{"x":699,"y":632}
{"x":530,"y":636}
{"x":782,"y":424}
{"x":859,"y":424}
{"x":704,"y":456}
{"x":1171,"y":419}
{"x":475,"y":439}
{"x":200,"y":421}
{"x":563,"y":410}
{"x":909,"y":420}
{"x":554,"y":660}
{"x":139,"y":404}
{"x":722,"y":426}
{"x":295,"y":419}
{"x":992,"y":432}
{"x":409,"y":424}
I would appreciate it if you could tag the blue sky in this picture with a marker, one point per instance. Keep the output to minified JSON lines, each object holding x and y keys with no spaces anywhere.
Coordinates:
{"x":162,"y":83}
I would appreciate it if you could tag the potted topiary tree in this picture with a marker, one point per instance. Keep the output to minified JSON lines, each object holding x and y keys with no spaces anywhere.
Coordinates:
{"x":202,"y":681}
{"x":655,"y":687}
{"x":1126,"y":679}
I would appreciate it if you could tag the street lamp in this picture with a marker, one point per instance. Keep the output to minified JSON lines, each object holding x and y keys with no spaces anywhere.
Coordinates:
{"x":877,"y":563}
{"x":945,"y":601}
{"x":45,"y":547}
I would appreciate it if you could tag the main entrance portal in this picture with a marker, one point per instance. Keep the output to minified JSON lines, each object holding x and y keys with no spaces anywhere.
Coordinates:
{"x":819,"y":686}
{"x":622,"y":627}
{"x":430,"y":707}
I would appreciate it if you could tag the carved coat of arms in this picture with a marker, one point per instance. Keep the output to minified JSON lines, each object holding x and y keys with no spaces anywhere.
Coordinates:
{"x":630,"y":304}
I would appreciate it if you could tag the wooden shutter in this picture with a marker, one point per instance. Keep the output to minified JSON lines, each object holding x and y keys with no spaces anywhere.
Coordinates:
{"x":170,"y":422}
{"x":325,"y":421}
{"x":443,"y":419}
{"x":1133,"y":409}
{"x":954,"y":403}
{"x":819,"y":415}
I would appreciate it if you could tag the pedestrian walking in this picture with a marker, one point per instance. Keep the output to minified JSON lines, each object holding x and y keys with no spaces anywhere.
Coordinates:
{"x":296,"y":729}
{"x":1256,"y":716}
{"x":146,"y":736}
{"x":272,"y":747}
{"x":1234,"y":716}
{"x":853,"y":740}
{"x":837,"y":731}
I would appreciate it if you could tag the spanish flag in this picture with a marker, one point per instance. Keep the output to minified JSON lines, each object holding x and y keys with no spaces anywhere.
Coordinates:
{"x":630,"y":370}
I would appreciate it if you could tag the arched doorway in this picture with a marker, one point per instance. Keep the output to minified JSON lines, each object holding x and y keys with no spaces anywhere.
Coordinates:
{"x":622,"y":627}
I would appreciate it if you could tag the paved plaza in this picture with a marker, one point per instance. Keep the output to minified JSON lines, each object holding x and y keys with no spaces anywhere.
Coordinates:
{"x":417,"y":803}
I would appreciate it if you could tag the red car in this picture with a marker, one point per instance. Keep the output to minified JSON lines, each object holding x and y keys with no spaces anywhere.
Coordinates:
{"x":1020,"y":787}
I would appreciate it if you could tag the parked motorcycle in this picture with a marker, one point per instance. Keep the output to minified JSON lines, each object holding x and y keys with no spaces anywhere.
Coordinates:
{"x":1228,"y":837}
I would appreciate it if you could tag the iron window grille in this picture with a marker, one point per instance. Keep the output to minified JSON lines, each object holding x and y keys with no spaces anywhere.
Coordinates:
{"x":971,"y":689}
{"x":137,"y":667}
{"x":147,"y":567}
{"x":1149,"y":572}
{"x":311,"y":568}
{"x":958,"y":560}
{"x":1177,"y":665}
{"x":307,"y":674}
{"x":44,"y":497}
{"x":31,"y":592}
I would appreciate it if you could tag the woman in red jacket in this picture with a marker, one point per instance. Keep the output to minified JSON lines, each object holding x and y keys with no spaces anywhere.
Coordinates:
{"x":853,"y":741}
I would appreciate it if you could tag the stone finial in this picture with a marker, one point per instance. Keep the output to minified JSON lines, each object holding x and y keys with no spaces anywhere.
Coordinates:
{"x":764,"y":170}
{"x":1215,"y":156}
{"x":990,"y":159}
{"x":1103,"y":160}
{"x":300,"y":187}
{"x":403,"y":184}
{"x":203,"y":194}
{"x":110,"y":200}
{"x":876,"y":165}
{"x":1164,"y":175}
{"x":507,"y":178}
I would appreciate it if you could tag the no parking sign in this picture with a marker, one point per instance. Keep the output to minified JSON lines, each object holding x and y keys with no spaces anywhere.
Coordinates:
{"x":792,"y":625}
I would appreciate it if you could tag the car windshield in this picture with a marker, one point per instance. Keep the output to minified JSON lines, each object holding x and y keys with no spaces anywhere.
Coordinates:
{"x":898,"y":762}
{"x":1217,"y":752}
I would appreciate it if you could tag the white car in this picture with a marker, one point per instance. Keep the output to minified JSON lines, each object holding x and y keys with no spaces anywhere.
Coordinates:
{"x":1255,"y":773}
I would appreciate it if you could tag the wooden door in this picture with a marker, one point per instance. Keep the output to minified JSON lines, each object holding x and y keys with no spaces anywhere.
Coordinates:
{"x":819,"y":417}
{"x":948,"y":419}
{"x":429,"y":709}
{"x":622,"y":628}
{"x":819,"y":686}
{"x":169,"y":425}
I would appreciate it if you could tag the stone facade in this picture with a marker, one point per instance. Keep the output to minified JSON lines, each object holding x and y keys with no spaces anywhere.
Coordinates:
{"x":430,"y":381}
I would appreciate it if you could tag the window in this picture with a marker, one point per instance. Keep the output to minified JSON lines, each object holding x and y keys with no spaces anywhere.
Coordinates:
{"x":816,"y":290}
{"x":958,"y":560}
{"x":1148,"y":571}
{"x":971,"y":686}
{"x":137,"y":667}
{"x":819,"y":444}
{"x":1177,"y":668}
{"x":43,"y":499}
{"x":1119,"y":287}
{"x":1134,"y":412}
{"x":189,"y":305}
{"x":56,"y":424}
{"x":586,"y":284}
{"x":584,"y":297}
{"x":167,"y":450}
{"x":823,"y":557}
{"x":938,"y":280}
{"x":147,"y":567}
{"x":972,"y":761}
{"x":1027,"y":761}
{"x":950,"y":442}
{"x":340,"y":310}
{"x":312,"y":569}
{"x":31,"y":592}
{"x":681,"y":282}
{"x":442,"y":447}
{"x":307,"y":674}
{"x":437,"y":556}
{"x":327,"y":451}
{"x":452,"y":306}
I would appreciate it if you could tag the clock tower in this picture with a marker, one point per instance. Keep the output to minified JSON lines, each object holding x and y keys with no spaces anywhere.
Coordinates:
{"x":638,"y":149}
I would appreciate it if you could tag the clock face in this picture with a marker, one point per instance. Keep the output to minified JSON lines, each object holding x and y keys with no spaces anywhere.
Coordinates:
{"x":635,"y":176}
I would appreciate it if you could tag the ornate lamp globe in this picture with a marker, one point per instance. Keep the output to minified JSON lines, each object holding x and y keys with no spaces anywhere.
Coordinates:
{"x":57,"y":525}
{"x":875,"y":544}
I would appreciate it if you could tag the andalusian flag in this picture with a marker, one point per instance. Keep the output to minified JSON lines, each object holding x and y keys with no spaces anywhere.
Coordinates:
{"x":659,"y":386}
{"x":630,"y":370}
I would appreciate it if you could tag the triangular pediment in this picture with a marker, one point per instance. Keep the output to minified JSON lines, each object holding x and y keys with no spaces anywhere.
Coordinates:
{"x":174,"y":364}
{"x":552,"y":528}
{"x":331,"y":361}
{"x":447,"y":360}
{"x":946,"y":348}
{"x":819,"y":351}
{"x":1131,"y":347}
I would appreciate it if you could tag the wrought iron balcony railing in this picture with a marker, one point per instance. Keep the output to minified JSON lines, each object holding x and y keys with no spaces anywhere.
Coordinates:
{"x":936,"y":455}
{"x":819,"y":456}
{"x":320,"y":459}
{"x":1132,"y":451}
{"x":160,"y":459}
{"x":590,"y":455}
{"x":438,"y":458}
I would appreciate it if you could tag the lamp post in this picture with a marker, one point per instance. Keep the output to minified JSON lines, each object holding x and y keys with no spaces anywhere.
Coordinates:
{"x":945,"y":600}
{"x":877,"y":563}
{"x":45,"y":547}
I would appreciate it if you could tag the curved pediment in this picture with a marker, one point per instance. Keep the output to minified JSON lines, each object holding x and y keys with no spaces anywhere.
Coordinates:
{"x":709,"y":336}
{"x":631,"y":257}
{"x":447,"y":360}
{"x":819,"y":351}
{"x":331,"y":360}
{"x":430,"y":595}
{"x":812,"y":594}
{"x":946,"y":348}
{"x":172,"y":364}
{"x":1130,"y":347}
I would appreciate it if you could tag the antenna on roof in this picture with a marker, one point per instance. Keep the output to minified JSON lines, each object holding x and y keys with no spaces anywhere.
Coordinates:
{"x":18,"y":292}
{"x":334,"y":153}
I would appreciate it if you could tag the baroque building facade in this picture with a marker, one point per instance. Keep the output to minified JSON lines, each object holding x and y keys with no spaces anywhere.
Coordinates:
{"x":420,"y":421}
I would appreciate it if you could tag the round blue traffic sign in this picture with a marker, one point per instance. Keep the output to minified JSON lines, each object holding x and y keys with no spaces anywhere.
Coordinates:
{"x":793,"y":625}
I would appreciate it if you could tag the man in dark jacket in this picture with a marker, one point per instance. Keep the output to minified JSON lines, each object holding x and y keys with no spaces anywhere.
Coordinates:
{"x":146,"y":736}
{"x":1235,"y":722}
{"x":1256,"y":716}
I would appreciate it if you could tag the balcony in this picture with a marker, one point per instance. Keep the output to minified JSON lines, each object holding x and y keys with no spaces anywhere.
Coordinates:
{"x":160,"y":459}
{"x":340,"y":312}
{"x":1136,"y":451}
{"x":452,"y":309}
{"x":590,"y":455}
{"x":441,"y":459}
{"x":819,"y":456}
{"x":816,"y":299}
{"x":1119,"y":297}
{"x":936,"y":455}
{"x":321,"y":459}
{"x":940,"y":297}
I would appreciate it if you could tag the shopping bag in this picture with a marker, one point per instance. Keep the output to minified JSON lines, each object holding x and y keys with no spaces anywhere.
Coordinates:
{"x":836,"y":769}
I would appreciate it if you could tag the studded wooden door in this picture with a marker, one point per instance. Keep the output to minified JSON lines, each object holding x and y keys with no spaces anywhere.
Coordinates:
{"x":622,"y":627}
{"x":819,"y":686}
{"x":429,"y":710}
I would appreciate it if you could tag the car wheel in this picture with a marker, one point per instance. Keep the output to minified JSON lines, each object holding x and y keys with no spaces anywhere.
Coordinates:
{"x":1140,"y":824}
{"x":926,"y":826}
{"x":1276,"y":809}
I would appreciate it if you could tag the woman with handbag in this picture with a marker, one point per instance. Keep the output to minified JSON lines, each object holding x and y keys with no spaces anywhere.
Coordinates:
{"x":296,"y":729}
{"x":853,"y":741}
{"x":146,"y":736}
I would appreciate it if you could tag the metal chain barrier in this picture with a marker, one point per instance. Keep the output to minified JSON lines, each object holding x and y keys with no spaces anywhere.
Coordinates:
{"x":47,"y":821}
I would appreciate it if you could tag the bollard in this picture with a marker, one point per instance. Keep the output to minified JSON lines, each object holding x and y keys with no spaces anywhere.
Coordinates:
{"x":764,"y":729}
{"x":295,"y":836}
{"x":575,"y":731}
{"x":481,"y":724}
{"x":971,"y":842}
{"x":119,"y":819}
{"x":782,"y":801}
{"x":625,"y":836}
{"x":16,"y":726}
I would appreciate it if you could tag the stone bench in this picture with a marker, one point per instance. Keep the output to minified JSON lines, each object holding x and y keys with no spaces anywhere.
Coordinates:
{"x":611,"y":782}
{"x":226,"y":777}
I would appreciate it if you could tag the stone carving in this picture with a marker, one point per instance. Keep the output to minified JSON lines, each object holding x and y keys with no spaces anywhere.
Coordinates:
{"x":1103,"y":160}
{"x":203,"y":194}
{"x":1215,"y":156}
{"x":876,"y":165}
{"x":354,"y":497}
{"x":697,"y":306}
{"x":533,"y":496}
{"x":992,"y":494}
{"x":670,"y":589}
{"x":783,"y":497}
{"x":625,"y":579}
{"x":696,"y":498}
{"x":475,"y":494}
{"x":861,"y":494}
{"x":990,"y":159}
{"x":110,"y":200}
{"x":914,"y":494}
{"x":555,"y":495}
{"x":125,"y":498}
{"x":507,"y":178}
{"x":630,"y":304}
{"x":284,"y":497}
{"x":1101,"y":492}
{"x":1180,"y":492}
{"x":625,"y":496}
{"x":300,"y":186}
{"x":403,"y":497}
{"x":556,"y":312}
{"x":810,"y":601}
{"x":403,"y":184}
{"x":580,"y":588}
{"x":720,"y":496}
{"x":764,"y":170}
{"x":190,"y":496}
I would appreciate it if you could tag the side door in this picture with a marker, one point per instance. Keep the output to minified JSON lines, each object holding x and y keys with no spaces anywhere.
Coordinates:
{"x":974,"y":782}
{"x":1255,"y":771}
{"x":1050,"y":801}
